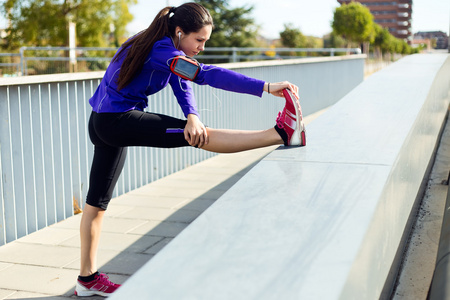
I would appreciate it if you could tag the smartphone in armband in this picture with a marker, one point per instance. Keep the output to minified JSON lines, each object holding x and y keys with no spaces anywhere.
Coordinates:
{"x":185,"y":67}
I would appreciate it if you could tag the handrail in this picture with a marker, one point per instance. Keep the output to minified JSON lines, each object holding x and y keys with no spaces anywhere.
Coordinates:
{"x":234,"y":55}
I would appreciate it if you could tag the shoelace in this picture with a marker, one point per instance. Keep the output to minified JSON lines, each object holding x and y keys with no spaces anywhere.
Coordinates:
{"x":104,"y":279}
{"x":280,"y":118}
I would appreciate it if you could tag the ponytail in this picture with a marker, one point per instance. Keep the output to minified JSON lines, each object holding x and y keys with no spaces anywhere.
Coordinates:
{"x":190,"y":17}
{"x":140,"y":46}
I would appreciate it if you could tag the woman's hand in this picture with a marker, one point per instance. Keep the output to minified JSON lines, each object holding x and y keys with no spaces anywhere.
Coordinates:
{"x":276,"y":88}
{"x":195,"y":132}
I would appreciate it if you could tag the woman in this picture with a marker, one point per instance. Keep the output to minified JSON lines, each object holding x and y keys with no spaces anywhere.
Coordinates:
{"x":145,"y":64}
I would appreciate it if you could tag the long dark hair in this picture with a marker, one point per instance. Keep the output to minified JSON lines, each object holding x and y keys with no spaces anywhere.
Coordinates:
{"x":190,"y":17}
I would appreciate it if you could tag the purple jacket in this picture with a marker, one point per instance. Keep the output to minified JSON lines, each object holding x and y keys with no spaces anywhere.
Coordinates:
{"x":156,"y":74}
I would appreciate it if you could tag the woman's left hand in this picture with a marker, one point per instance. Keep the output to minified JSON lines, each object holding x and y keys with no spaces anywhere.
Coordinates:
{"x":276,"y":88}
{"x":195,"y":132}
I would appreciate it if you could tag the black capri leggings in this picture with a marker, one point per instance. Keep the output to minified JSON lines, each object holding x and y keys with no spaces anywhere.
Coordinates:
{"x":111,"y":133}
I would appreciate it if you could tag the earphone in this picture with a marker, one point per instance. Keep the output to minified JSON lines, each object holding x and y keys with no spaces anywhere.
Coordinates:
{"x":179,"y":39}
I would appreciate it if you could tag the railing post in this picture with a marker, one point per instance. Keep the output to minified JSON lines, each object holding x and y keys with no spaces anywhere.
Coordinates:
{"x":234,"y":57}
{"x":22,"y":69}
{"x":2,"y":212}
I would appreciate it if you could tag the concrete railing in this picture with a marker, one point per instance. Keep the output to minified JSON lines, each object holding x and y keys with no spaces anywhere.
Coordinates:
{"x":45,"y":152}
{"x":326,"y":221}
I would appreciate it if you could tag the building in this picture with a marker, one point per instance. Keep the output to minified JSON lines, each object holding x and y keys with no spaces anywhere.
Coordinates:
{"x":419,"y":41}
{"x":440,"y":38}
{"x":394,"y":15}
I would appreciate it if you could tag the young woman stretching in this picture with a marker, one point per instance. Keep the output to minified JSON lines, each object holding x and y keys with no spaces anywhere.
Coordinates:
{"x":144,"y":65}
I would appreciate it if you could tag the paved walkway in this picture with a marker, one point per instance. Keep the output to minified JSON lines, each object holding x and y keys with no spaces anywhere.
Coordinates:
{"x":45,"y":264}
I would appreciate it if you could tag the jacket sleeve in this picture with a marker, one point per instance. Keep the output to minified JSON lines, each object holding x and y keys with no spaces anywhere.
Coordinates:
{"x":184,"y":94}
{"x":228,"y":80}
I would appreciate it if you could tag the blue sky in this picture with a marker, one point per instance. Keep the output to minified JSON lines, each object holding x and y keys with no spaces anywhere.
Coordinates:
{"x":313,"y":17}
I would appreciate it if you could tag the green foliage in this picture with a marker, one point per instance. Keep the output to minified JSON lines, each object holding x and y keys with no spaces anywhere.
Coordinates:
{"x":386,"y":42}
{"x":354,"y":22}
{"x":382,"y":37}
{"x":45,"y":22}
{"x":334,"y":40}
{"x":292,"y":37}
{"x":314,"y":42}
{"x":233,"y":27}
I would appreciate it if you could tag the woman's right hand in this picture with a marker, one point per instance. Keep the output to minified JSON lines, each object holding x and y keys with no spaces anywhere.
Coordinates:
{"x":276,"y":88}
{"x":195,"y":132}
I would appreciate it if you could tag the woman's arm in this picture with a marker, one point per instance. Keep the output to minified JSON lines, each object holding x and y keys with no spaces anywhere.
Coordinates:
{"x":236,"y":82}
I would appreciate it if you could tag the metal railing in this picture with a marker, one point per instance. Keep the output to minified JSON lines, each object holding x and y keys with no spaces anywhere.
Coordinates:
{"x":234,"y":54}
{"x":11,"y":64}
{"x":67,"y":62}
{"x":45,"y":152}
{"x":50,"y":60}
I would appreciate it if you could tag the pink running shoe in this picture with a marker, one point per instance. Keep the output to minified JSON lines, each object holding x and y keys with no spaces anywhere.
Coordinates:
{"x":290,"y":119}
{"x":99,"y":286}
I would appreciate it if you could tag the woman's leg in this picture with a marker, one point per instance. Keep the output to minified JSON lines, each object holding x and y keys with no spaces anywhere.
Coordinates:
{"x":106,"y":167}
{"x":107,"y":164}
{"x":90,"y":229}
{"x":230,"y":141}
{"x":148,"y":129}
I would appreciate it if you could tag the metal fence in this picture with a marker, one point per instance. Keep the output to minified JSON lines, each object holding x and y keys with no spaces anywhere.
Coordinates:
{"x":10,"y":64}
{"x":51,"y":60}
{"x":45,"y":152}
{"x":237,"y":54}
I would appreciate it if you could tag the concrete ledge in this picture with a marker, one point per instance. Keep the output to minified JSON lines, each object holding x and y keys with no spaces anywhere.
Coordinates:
{"x":320,"y":222}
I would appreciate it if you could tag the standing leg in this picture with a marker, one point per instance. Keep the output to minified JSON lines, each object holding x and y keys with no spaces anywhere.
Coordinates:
{"x":106,"y":167}
{"x":90,"y":228}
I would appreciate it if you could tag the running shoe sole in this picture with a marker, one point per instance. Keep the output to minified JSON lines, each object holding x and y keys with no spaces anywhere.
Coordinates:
{"x":81,"y":291}
{"x":299,"y":132}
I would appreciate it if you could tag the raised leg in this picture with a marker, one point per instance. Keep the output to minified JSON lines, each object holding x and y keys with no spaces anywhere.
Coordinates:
{"x":230,"y":141}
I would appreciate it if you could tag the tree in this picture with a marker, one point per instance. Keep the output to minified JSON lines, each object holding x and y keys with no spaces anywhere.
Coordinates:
{"x":313,"y":42}
{"x":334,"y":40}
{"x":354,"y":22}
{"x":292,"y":37}
{"x":381,"y":38}
{"x":44,"y":22}
{"x":233,"y":27}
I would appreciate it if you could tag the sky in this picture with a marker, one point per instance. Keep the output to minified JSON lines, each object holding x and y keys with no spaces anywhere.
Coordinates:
{"x":312,"y":17}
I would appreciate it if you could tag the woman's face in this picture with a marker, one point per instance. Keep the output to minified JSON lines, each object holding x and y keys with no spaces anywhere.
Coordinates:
{"x":193,"y":43}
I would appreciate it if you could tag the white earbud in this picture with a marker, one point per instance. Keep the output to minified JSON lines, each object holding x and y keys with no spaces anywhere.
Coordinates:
{"x":179,"y":39}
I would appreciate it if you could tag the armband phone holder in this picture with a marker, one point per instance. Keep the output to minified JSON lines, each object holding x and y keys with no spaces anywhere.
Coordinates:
{"x":184,"y":66}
